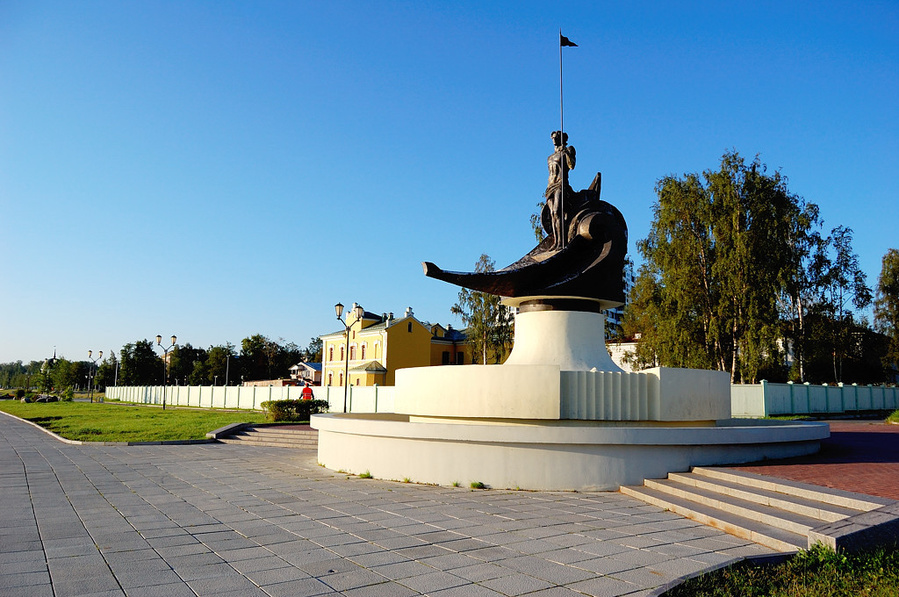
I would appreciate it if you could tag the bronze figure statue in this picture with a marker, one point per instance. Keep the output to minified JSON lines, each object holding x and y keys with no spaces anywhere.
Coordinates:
{"x":582,"y":256}
{"x":559,"y":163}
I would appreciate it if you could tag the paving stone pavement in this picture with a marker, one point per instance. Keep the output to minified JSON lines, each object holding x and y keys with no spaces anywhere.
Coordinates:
{"x":859,"y":455}
{"x":234,"y":520}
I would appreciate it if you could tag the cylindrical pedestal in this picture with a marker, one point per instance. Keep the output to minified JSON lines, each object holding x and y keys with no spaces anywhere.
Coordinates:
{"x":573,"y":340}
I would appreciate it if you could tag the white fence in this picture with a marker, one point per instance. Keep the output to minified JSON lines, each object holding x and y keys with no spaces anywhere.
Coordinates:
{"x":768,"y":399}
{"x":747,"y":400}
{"x":360,"y":399}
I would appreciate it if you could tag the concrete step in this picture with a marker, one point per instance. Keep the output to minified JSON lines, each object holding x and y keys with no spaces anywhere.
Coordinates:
{"x":269,"y":444}
{"x":826,"y":495}
{"x":785,"y":519}
{"x":739,"y":526}
{"x":778,"y":513}
{"x":265,"y":437}
{"x":274,"y":436}
{"x":816,"y":509}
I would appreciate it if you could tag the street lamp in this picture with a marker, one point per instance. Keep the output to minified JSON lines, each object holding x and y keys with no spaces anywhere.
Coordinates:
{"x":91,"y":371}
{"x":165,"y":362}
{"x":45,"y":372}
{"x":358,"y":311}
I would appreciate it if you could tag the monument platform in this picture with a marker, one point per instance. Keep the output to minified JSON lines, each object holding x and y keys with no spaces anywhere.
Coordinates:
{"x":544,"y":420}
{"x":547,"y":455}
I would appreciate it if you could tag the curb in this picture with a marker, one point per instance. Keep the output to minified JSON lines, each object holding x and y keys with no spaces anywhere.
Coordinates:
{"x":764,"y":560}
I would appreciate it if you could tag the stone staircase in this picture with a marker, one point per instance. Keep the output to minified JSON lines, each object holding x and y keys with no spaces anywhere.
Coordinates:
{"x":780,"y":514}
{"x":300,"y":437}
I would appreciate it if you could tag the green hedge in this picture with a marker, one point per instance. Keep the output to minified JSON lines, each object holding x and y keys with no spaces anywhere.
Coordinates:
{"x":293,"y":410}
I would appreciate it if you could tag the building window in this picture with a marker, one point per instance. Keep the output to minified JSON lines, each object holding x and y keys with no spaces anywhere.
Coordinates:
{"x":377,"y":350}
{"x":330,"y":355}
{"x":341,"y":354}
{"x":353,"y":352}
{"x":409,"y":327}
{"x":460,"y":358}
{"x":363,"y":352}
{"x":341,"y":379}
{"x":330,"y":379}
{"x":445,"y":360}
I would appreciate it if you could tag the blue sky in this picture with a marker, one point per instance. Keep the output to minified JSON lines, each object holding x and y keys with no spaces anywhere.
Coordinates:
{"x":221,"y":169}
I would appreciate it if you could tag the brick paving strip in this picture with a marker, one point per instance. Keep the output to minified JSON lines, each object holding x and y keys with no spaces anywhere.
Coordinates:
{"x":210,"y":519}
{"x":859,"y":456}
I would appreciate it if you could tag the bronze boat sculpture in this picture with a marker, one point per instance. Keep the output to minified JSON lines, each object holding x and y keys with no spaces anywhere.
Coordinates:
{"x":586,"y":263}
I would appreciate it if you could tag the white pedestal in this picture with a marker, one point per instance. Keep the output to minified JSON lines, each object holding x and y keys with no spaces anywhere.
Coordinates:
{"x":573,"y":340}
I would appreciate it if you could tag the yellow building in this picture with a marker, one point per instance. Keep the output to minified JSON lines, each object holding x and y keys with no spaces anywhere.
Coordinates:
{"x":380,"y":344}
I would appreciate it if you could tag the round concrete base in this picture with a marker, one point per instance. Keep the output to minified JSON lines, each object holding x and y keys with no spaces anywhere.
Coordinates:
{"x":573,"y":340}
{"x":548,"y":455}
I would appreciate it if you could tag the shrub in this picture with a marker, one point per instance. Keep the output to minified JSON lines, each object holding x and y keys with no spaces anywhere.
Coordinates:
{"x":20,"y":393}
{"x":68,"y":395}
{"x":293,"y":410}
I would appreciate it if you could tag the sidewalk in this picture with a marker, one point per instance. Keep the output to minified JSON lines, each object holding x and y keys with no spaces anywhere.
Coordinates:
{"x":859,"y":456}
{"x":231,"y":520}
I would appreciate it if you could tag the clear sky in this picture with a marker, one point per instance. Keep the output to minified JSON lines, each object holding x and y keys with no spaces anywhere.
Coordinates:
{"x":220,"y":169}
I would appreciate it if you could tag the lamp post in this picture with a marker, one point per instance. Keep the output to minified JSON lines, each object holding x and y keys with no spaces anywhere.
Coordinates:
{"x":45,"y":372}
{"x":91,"y":371}
{"x":165,"y":362}
{"x":358,"y":311}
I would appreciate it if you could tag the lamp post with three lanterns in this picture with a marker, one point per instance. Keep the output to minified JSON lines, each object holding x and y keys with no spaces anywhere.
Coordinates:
{"x":165,"y":363}
{"x":358,"y":312}
{"x":90,"y":376}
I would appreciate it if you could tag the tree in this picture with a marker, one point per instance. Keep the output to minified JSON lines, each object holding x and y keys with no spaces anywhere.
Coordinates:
{"x":886,"y":308}
{"x":288,"y":355}
{"x":721,"y":250}
{"x":12,"y":375}
{"x":488,"y":321}
{"x":313,"y":352}
{"x":67,"y":374}
{"x":801,"y":289}
{"x":221,"y":364}
{"x":106,"y":372}
{"x":842,"y":283}
{"x":254,"y":357}
{"x":183,"y":362}
{"x":141,"y":365}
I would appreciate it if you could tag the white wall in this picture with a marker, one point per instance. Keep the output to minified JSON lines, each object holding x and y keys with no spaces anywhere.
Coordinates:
{"x":769,"y":399}
{"x":362,"y":399}
{"x":747,"y":400}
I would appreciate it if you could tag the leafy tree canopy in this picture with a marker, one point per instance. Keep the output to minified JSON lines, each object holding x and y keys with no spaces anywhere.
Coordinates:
{"x":488,"y":322}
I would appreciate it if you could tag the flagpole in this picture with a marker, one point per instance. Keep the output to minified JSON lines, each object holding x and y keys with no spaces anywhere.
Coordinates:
{"x":564,"y":163}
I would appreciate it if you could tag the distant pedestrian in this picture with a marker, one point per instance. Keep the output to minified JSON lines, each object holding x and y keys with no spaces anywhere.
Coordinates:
{"x":307,"y":392}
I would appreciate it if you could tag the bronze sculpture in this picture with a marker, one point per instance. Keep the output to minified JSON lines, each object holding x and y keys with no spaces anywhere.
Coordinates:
{"x":578,"y":266}
{"x":559,"y":163}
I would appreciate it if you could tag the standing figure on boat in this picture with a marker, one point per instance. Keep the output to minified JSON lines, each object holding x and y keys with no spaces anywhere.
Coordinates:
{"x":559,"y":163}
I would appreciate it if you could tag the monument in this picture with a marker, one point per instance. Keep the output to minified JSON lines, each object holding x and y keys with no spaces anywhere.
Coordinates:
{"x":558,"y":414}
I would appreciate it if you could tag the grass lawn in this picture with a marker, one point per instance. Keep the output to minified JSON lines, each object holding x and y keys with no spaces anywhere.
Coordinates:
{"x":105,"y":422}
{"x":814,"y":573}
{"x":893,"y":418}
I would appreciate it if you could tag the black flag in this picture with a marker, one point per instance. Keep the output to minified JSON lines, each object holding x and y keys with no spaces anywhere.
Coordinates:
{"x":564,"y":41}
